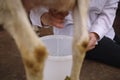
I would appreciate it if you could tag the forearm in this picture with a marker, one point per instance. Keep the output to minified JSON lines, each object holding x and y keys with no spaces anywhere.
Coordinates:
{"x":105,"y":20}
{"x":35,"y":15}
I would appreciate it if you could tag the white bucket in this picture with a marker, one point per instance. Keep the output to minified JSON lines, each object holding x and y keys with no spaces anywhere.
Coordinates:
{"x":59,"y":61}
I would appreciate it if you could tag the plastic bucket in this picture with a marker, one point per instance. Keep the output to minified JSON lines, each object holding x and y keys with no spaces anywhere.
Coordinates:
{"x":59,"y":62}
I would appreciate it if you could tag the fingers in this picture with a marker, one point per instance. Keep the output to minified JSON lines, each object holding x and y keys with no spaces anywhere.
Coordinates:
{"x":57,"y":18}
{"x":91,"y":44}
{"x":59,"y":23}
{"x":93,"y":40}
{"x":54,"y":18}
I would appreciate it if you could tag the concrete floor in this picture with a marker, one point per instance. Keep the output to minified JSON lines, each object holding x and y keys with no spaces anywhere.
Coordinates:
{"x":11,"y":66}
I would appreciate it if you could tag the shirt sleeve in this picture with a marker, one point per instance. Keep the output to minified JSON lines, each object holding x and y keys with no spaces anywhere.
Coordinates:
{"x":35,"y":15}
{"x":104,"y":22}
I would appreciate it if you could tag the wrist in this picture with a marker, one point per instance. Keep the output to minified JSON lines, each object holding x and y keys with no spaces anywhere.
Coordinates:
{"x":95,"y":35}
{"x":45,"y":20}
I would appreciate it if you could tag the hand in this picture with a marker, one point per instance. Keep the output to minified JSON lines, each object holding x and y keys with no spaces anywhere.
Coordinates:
{"x":54,"y":18}
{"x":93,"y":39}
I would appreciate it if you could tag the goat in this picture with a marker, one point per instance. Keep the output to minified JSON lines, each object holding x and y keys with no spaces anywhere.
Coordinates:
{"x":15,"y":21}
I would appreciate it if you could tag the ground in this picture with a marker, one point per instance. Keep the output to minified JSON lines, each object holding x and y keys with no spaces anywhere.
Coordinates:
{"x":11,"y":66}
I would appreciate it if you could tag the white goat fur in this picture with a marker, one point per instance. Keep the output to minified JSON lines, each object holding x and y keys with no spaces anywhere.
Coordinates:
{"x":33,"y":52}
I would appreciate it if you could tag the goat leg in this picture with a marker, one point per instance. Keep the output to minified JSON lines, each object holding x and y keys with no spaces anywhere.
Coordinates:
{"x":32,"y":50}
{"x":80,"y":39}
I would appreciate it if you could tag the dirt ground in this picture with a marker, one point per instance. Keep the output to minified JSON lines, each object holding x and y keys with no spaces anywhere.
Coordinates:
{"x":11,"y":66}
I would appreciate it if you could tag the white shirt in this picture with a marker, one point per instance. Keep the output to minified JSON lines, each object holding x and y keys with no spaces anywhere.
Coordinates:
{"x":101,"y":15}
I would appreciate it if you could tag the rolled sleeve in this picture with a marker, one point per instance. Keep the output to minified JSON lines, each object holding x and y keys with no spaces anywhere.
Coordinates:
{"x":104,"y":22}
{"x":35,"y":15}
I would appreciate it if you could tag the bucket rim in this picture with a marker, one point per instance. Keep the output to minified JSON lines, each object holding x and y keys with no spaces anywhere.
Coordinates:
{"x":58,"y":58}
{"x":55,"y":36}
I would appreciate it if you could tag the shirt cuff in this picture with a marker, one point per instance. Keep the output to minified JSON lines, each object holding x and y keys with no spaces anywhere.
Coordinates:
{"x":35,"y":15}
{"x":99,"y":31}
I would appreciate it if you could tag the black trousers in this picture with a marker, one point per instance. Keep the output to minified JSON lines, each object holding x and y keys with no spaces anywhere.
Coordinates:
{"x":107,"y":51}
